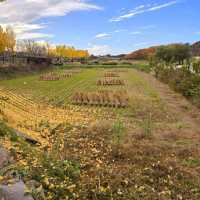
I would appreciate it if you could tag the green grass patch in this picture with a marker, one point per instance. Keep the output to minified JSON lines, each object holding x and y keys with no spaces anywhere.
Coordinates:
{"x":192,"y":162}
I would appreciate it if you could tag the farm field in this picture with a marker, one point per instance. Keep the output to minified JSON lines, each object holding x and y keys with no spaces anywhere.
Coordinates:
{"x":59,"y":92}
{"x":99,"y":100}
{"x":148,"y":149}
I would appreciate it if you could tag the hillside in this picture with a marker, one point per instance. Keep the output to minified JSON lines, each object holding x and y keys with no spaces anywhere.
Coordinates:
{"x":143,"y":54}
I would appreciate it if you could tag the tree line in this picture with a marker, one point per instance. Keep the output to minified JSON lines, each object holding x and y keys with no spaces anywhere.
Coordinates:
{"x":169,"y":53}
{"x":68,"y":52}
{"x":9,"y":43}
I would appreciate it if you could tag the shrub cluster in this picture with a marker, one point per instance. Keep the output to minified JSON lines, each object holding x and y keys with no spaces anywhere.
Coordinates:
{"x":184,"y":79}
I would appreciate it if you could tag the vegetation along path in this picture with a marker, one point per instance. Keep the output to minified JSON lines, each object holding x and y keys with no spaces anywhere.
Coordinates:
{"x":177,"y":104}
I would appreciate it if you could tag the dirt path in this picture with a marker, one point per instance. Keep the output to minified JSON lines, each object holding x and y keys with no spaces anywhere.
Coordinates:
{"x":176,"y":103}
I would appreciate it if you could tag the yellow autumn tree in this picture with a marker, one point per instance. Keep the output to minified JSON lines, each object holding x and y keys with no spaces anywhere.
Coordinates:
{"x":2,"y":40}
{"x":10,"y":39}
{"x":7,"y":39}
{"x":69,"y":52}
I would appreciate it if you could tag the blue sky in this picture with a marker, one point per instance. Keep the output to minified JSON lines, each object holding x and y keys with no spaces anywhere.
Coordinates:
{"x":104,"y":26}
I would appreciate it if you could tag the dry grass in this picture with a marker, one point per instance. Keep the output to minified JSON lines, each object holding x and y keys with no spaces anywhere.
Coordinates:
{"x":100,"y":127}
{"x":73,"y":71}
{"x":118,"y":71}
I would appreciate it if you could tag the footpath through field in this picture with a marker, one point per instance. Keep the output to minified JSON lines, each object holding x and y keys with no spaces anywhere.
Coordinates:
{"x":178,"y":105}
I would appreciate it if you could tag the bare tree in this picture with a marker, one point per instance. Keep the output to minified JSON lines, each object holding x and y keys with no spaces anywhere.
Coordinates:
{"x":32,"y":47}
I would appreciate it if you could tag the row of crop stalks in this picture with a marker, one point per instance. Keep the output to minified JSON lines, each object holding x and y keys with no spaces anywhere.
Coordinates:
{"x":110,"y":82}
{"x":17,"y":107}
{"x":111,"y":74}
{"x":53,"y":76}
{"x":118,"y":99}
{"x":111,"y":78}
{"x":107,"y":98}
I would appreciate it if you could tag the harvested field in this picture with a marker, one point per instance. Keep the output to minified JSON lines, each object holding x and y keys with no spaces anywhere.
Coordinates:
{"x":134,"y":141}
{"x":118,"y":71}
{"x":73,"y":71}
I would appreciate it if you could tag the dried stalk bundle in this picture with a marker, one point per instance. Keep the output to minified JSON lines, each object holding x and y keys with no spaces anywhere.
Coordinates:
{"x":117,"y":99}
{"x":49,"y":77}
{"x":54,"y":77}
{"x":108,"y":82}
{"x":111,"y":74}
{"x":66,"y":75}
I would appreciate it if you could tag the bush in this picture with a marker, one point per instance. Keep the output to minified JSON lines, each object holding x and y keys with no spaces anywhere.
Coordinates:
{"x":196,"y":66}
{"x":183,"y":80}
{"x":126,"y":63}
{"x":110,"y":63}
{"x":143,"y":67}
{"x":5,"y":131}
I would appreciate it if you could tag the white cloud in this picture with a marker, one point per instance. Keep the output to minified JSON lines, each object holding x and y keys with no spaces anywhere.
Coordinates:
{"x":99,"y":49}
{"x":136,"y":33}
{"x":162,"y":6}
{"x":102,"y":35}
{"x":120,"y":30}
{"x":27,"y":31}
{"x":23,"y":14}
{"x":23,"y":27}
{"x":34,"y":36}
{"x":142,"y":9}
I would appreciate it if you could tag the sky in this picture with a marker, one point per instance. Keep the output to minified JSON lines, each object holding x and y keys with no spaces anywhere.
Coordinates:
{"x":104,"y":26}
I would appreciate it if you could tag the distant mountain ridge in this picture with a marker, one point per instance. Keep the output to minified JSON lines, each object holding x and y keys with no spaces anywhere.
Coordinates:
{"x":143,"y":54}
